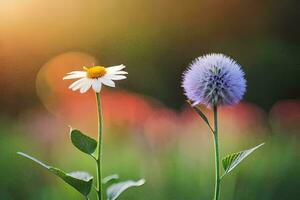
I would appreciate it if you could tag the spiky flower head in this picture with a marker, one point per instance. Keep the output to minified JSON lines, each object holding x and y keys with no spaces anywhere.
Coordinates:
{"x":214,"y":79}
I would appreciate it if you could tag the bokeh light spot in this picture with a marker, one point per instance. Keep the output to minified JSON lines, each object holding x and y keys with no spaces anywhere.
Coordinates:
{"x":53,"y":91}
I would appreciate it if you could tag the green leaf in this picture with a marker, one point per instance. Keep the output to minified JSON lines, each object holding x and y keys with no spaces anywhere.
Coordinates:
{"x":231,"y":161}
{"x":81,"y":181}
{"x":110,"y":178}
{"x":201,"y":114}
{"x":114,"y":191}
{"x":82,"y":142}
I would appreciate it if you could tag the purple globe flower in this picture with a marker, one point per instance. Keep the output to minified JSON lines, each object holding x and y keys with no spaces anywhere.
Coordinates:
{"x":214,"y":79}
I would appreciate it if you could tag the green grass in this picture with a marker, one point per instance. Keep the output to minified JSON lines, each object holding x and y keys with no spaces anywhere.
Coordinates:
{"x":176,"y":170}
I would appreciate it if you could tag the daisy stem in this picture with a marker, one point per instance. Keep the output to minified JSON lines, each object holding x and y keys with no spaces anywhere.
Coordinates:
{"x":217,"y":155}
{"x":99,"y":158}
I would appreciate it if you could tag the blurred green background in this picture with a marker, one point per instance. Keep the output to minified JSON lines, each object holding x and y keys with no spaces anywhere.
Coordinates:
{"x":149,"y":130}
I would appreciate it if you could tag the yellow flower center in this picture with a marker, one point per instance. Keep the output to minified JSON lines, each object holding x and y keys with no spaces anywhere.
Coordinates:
{"x":95,"y":72}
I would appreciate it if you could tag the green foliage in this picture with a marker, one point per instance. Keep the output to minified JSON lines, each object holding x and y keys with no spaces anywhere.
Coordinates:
{"x":110,"y":178}
{"x":231,"y":161}
{"x":202,"y":115}
{"x":115,"y":190}
{"x":273,"y":178}
{"x":83,"y":142}
{"x":81,"y":181}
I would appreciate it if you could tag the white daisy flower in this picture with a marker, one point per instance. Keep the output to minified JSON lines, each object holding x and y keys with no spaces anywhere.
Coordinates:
{"x":95,"y":76}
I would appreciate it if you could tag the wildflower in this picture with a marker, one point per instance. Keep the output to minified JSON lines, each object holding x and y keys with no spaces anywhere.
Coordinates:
{"x":214,"y":79}
{"x":96,"y":76}
{"x":81,"y":181}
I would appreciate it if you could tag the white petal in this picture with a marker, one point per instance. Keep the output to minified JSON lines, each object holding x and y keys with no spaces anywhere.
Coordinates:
{"x":80,"y":85}
{"x":77,"y":83}
{"x":111,"y":70}
{"x":73,"y":76}
{"x":120,"y":72}
{"x":116,"y":77}
{"x":77,"y":72}
{"x":87,"y":84}
{"x":96,"y":85}
{"x":107,"y":81}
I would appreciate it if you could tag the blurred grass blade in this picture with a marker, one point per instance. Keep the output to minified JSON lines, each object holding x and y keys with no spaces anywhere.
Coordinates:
{"x":83,"y":142}
{"x":114,"y":191}
{"x":110,"y":178}
{"x":81,"y":181}
{"x":231,"y":161}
